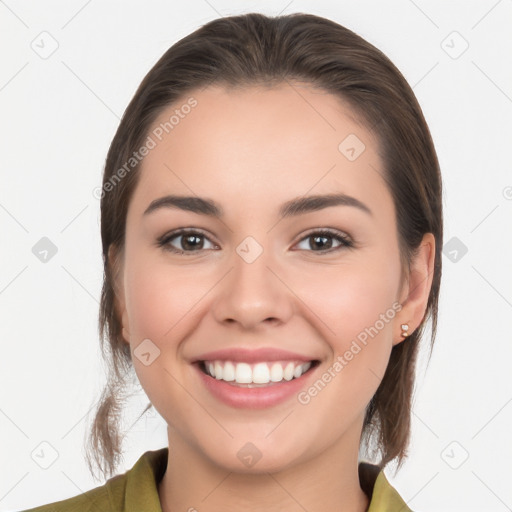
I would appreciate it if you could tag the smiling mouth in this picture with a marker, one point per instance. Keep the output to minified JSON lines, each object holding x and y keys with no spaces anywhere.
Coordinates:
{"x":262,"y":374}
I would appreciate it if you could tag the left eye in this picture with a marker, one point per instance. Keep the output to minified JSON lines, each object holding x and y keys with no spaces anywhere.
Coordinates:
{"x":323,"y":241}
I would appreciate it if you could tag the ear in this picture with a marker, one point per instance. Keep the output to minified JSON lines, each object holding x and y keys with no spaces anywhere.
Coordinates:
{"x":115,"y":261}
{"x":416,"y":288}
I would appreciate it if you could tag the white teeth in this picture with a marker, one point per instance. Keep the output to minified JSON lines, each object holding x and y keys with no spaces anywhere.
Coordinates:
{"x":259,"y":373}
{"x":228,"y":373}
{"x":288,"y":371}
{"x":300,"y":370}
{"x":218,"y":370}
{"x":276,"y":373}
{"x":243,"y":373}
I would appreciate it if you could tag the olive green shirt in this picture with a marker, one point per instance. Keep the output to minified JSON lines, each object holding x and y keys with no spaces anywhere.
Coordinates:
{"x":137,"y":491}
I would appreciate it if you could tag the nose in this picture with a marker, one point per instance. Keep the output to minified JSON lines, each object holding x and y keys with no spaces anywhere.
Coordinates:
{"x":253,"y":295}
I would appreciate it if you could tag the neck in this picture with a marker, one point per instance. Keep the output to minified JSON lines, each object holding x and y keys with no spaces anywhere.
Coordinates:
{"x":327,"y":482}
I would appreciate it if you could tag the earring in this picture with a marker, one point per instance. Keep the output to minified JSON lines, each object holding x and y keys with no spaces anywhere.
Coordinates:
{"x":405,"y":328}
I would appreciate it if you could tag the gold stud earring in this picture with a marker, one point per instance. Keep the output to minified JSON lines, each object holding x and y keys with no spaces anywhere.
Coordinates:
{"x":405,"y":328}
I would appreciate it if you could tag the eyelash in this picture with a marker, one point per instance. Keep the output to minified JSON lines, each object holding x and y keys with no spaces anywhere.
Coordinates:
{"x":345,"y":241}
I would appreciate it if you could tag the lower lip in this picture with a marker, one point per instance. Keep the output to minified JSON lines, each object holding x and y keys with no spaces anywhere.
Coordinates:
{"x":254,"y":398}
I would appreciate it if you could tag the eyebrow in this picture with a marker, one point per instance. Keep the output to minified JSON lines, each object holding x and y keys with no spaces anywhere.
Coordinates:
{"x":292,"y":208}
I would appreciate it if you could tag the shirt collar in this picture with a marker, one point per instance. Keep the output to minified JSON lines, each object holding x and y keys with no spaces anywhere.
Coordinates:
{"x":141,"y":486}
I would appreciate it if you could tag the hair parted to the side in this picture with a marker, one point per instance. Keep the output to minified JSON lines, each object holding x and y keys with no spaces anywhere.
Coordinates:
{"x":254,"y":49}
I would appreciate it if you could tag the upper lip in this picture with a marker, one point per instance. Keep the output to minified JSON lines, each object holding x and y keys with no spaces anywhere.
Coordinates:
{"x":252,"y":355}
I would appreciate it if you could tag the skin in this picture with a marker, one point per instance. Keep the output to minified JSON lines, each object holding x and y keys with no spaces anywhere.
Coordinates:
{"x":250,"y":150}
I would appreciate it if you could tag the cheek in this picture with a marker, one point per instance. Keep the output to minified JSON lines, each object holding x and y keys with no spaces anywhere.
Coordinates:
{"x":357,"y":306}
{"x":160,"y":305}
{"x":354,"y":300}
{"x":160,"y":298}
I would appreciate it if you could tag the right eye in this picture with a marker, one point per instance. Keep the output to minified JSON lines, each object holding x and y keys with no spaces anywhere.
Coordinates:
{"x":187,"y":240}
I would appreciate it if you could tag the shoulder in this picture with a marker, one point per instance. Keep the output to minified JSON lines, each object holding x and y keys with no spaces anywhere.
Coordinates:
{"x":383,"y":496}
{"x":92,"y":500}
{"x":107,"y":498}
{"x":121,"y":492}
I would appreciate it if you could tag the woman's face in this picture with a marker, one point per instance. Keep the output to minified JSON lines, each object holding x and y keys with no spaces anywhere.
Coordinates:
{"x":252,"y":289}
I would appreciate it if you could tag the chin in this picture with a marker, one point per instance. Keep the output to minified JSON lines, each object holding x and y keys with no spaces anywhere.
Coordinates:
{"x":256,"y":457}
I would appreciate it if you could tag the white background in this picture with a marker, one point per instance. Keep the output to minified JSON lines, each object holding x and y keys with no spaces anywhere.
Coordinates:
{"x":59,"y":115}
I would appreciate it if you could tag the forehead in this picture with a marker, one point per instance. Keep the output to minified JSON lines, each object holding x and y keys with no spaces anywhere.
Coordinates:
{"x":266,"y":144}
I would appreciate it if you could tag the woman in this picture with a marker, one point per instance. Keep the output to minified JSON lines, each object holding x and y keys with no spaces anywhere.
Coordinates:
{"x":271,"y":227}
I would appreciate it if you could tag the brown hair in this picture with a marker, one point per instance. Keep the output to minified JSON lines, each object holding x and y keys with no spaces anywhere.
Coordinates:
{"x":255,"y":49}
